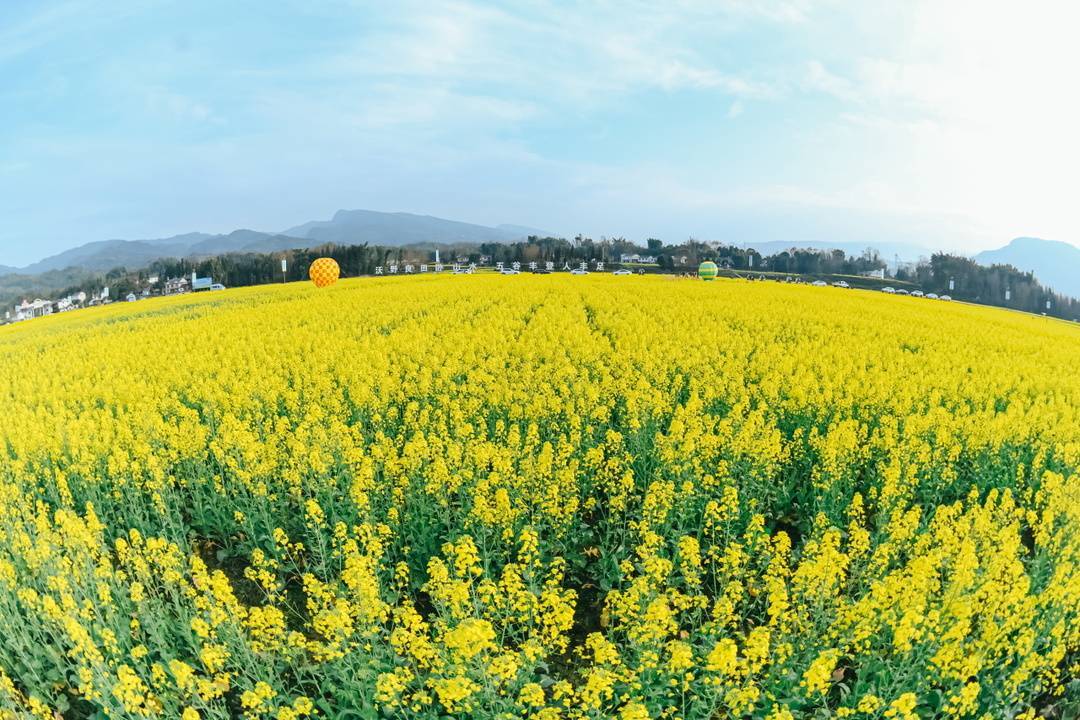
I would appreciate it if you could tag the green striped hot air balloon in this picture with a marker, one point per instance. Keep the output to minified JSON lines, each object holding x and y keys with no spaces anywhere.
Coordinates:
{"x":707,"y":270}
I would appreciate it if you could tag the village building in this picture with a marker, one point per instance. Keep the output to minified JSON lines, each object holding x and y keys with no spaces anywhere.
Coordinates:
{"x":38,"y":308}
{"x":174,"y":286}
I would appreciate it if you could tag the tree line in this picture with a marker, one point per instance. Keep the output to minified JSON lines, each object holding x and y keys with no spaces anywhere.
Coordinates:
{"x":960,"y":277}
{"x":1001,"y":285}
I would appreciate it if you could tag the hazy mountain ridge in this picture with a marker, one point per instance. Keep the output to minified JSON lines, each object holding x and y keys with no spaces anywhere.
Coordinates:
{"x":347,"y":227}
{"x":1055,"y":264}
{"x":15,"y":286}
{"x":522,"y":230}
{"x":395,"y":229}
{"x":104,"y":255}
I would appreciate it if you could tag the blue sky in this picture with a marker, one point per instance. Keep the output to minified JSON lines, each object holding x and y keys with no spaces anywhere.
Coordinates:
{"x":944,"y":124}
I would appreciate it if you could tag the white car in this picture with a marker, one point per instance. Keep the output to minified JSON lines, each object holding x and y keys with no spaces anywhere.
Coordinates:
{"x":902,"y":291}
{"x":889,"y":290}
{"x":217,"y":286}
{"x":510,"y":271}
{"x":932,"y":296}
{"x":819,"y":283}
{"x":916,"y":293}
{"x":623,"y":271}
{"x":841,"y":284}
{"x":946,"y":298}
{"x":579,"y":271}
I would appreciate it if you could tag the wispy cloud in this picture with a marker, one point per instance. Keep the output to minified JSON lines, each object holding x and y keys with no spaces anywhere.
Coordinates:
{"x":579,"y":54}
{"x":818,"y":78}
{"x":29,"y":26}
{"x":634,"y":62}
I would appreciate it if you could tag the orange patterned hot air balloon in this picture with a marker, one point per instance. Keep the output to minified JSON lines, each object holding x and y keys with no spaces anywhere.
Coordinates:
{"x":324,"y":272}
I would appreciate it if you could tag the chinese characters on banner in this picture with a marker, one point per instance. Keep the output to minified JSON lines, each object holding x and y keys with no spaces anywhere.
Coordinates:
{"x":549,"y":266}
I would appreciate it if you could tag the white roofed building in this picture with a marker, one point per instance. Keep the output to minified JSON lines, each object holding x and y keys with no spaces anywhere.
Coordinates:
{"x":38,"y":308}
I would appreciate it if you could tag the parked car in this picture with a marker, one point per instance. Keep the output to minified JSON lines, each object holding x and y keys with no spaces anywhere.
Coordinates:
{"x":932,"y":296}
{"x":946,"y":298}
{"x":902,"y":291}
{"x":889,"y":290}
{"x":579,"y":271}
{"x":217,"y":286}
{"x":510,"y":271}
{"x":623,"y":271}
{"x":819,"y":283}
{"x":841,"y":284}
{"x":916,"y":293}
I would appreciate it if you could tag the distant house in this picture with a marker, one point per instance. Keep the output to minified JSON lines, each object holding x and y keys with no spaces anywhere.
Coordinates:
{"x":38,"y":308}
{"x":174,"y":286}
{"x":71,"y":302}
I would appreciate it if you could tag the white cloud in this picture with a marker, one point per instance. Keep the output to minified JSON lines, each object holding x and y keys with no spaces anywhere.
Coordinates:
{"x":635,"y":62}
{"x":818,"y":78}
{"x":567,"y":54}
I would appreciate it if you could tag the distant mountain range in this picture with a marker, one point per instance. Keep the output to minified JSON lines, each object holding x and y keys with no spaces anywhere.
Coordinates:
{"x":379,"y":228}
{"x":1055,"y":264}
{"x":347,"y":227}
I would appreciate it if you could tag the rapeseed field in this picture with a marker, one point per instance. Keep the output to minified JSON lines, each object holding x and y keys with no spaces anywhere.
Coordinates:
{"x":542,"y":497}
